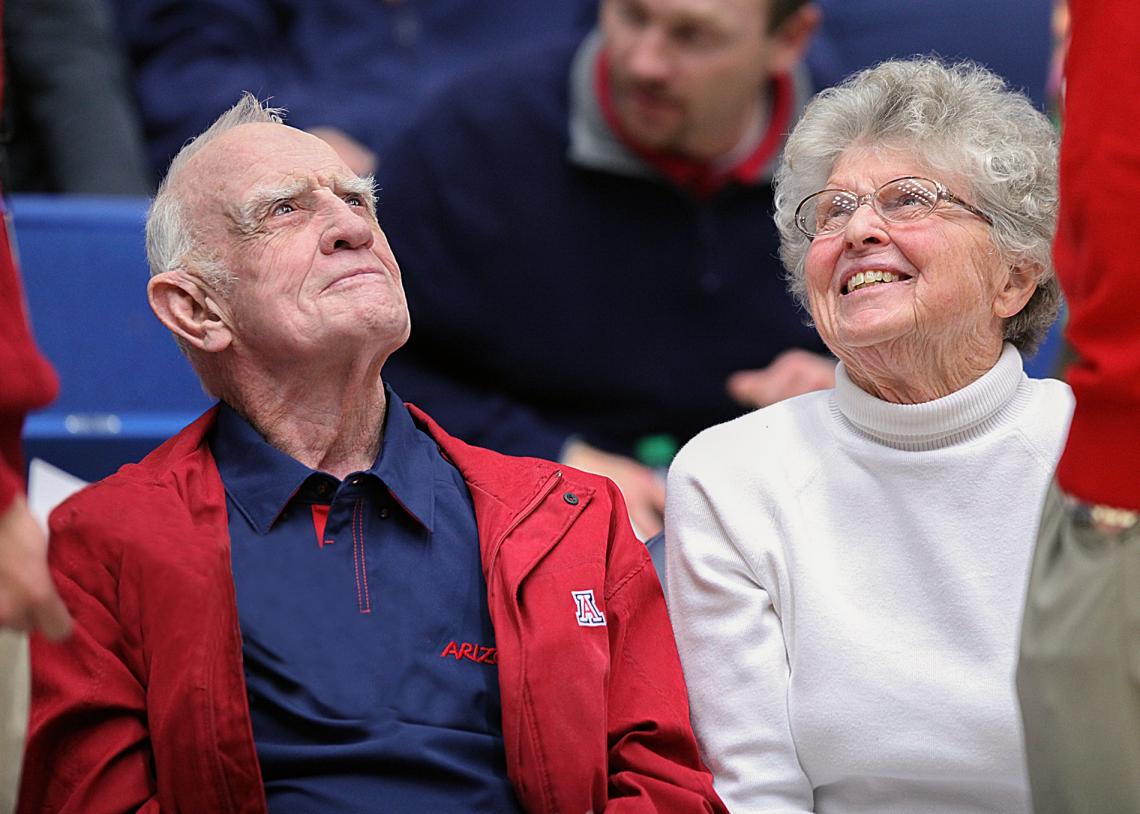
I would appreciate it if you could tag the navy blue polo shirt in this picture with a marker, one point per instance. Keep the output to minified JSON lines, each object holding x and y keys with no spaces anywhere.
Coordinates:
{"x":368,"y":648}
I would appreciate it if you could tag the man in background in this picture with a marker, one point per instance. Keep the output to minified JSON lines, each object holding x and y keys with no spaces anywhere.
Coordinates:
{"x":1079,"y":674}
{"x":28,"y":600}
{"x":588,"y":245}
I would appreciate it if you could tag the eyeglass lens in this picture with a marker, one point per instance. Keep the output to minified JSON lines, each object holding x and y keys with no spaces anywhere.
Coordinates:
{"x":900,"y":200}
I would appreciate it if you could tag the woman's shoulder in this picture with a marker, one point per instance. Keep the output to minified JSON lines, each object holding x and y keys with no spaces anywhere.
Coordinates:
{"x":1054,"y":390}
{"x":1048,"y":410}
{"x":768,"y":434}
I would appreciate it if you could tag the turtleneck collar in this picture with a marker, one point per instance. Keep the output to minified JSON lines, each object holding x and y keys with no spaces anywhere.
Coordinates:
{"x":958,"y":417}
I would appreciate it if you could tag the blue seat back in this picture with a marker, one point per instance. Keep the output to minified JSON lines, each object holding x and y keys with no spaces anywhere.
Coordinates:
{"x":124,"y":385}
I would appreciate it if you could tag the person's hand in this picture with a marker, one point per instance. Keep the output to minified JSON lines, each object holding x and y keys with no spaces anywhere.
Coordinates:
{"x":641,"y":487}
{"x":355,"y":155}
{"x":28,"y":599}
{"x":791,"y":373}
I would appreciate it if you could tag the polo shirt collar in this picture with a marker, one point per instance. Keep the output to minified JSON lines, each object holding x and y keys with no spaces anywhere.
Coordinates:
{"x":406,"y":463}
{"x":261,"y":480}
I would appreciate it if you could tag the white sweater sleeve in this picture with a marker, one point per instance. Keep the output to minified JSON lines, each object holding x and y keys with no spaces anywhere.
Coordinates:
{"x":722,"y":595}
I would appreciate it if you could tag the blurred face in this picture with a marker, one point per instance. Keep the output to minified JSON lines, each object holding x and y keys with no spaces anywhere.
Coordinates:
{"x":299,"y":231}
{"x":686,"y":75}
{"x":931,"y":285}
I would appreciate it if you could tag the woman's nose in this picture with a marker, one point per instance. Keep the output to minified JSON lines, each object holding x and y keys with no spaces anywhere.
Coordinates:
{"x":865,"y":227}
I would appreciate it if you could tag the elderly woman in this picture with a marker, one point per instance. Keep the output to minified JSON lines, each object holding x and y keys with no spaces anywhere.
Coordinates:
{"x":846,"y":569}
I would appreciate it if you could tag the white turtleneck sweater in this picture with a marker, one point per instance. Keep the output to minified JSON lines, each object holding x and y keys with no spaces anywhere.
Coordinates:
{"x":846,"y":579}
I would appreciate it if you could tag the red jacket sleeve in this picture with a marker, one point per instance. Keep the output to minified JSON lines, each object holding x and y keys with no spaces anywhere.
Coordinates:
{"x":26,"y":379}
{"x":88,"y":748}
{"x":654,"y":761}
{"x":1095,"y":251}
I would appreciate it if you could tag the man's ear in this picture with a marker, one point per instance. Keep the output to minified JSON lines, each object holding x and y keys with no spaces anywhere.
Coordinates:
{"x":788,"y":43}
{"x":185,"y":307}
{"x":1018,"y":286}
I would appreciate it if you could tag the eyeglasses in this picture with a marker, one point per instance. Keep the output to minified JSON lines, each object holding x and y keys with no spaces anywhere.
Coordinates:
{"x":899,"y":201}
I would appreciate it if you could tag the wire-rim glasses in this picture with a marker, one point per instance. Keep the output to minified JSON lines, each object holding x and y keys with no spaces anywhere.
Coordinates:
{"x":900,"y":200}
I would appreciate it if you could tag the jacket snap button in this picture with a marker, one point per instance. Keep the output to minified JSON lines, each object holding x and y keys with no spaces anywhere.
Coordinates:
{"x":571,"y":498}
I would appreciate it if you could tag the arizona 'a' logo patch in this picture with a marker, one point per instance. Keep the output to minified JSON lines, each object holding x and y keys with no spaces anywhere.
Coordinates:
{"x":588,"y":613}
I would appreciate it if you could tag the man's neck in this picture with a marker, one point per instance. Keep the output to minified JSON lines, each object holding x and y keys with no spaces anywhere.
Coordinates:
{"x":332,"y":423}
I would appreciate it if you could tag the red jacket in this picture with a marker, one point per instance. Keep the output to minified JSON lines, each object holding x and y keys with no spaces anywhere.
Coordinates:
{"x":1095,"y":252}
{"x":26,"y":380}
{"x":146,"y":706}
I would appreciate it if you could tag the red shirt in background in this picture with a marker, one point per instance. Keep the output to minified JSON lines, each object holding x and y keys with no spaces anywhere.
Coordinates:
{"x":1096,"y":252}
{"x":26,"y":379}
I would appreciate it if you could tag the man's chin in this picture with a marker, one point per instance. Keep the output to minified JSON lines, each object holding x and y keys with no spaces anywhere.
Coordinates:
{"x":654,"y":129}
{"x":655,"y":138}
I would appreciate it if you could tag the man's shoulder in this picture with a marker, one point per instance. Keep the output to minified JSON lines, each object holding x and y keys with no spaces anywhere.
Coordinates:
{"x":775,"y":445}
{"x":158,"y":491}
{"x":534,"y":64}
{"x":505,"y":93}
{"x":511,"y":479}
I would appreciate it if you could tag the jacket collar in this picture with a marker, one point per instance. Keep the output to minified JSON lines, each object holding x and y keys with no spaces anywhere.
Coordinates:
{"x":501,"y":486}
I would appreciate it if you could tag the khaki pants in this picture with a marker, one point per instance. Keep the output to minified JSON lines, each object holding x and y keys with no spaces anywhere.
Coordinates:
{"x":1079,"y":674}
{"x":13,"y":713}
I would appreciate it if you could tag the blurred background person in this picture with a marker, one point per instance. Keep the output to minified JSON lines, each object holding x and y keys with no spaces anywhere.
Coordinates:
{"x":845,"y":569}
{"x":1079,"y":674}
{"x":70,"y":124}
{"x":28,"y":600}
{"x":591,"y":223}
{"x":350,"y":71}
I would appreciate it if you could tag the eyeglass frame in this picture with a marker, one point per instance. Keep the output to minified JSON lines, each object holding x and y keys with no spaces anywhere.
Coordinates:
{"x":869,"y":198}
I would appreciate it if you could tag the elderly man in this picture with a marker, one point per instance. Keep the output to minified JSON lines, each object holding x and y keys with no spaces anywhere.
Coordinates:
{"x":314,"y":599}
{"x":612,"y":197}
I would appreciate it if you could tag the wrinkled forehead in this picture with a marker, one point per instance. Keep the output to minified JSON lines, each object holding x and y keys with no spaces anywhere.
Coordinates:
{"x":864,"y":166}
{"x":244,"y":162}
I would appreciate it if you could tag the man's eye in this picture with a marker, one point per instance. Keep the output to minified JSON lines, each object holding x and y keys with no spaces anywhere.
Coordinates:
{"x":694,"y":35}
{"x":354,"y":200}
{"x":283,"y":208}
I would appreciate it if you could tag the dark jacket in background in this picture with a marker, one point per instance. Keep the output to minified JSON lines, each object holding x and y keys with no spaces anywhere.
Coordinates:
{"x":362,"y":66}
{"x":69,"y":119}
{"x":560,"y":286}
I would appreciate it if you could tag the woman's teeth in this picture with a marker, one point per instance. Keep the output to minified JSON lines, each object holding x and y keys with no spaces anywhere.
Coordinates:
{"x":866,"y":278}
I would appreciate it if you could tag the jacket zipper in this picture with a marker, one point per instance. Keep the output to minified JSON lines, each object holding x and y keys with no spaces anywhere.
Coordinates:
{"x":521,"y":516}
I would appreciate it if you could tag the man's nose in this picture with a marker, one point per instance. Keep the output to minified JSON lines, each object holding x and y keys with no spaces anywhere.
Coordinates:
{"x":347,"y":228}
{"x":648,"y":57}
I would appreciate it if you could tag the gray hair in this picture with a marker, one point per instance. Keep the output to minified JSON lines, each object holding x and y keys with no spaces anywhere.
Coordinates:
{"x":957,"y":118}
{"x":171,"y":237}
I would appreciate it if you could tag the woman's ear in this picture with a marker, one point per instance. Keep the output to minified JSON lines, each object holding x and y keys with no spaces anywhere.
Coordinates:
{"x":1015,"y":290}
{"x":183,"y":305}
